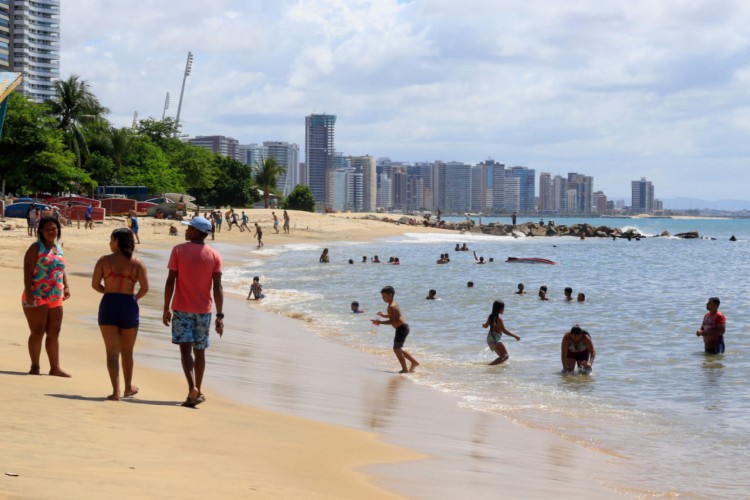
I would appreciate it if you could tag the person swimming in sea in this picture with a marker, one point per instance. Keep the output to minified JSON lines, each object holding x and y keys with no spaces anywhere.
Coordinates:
{"x":521,"y":290}
{"x":431,"y":295}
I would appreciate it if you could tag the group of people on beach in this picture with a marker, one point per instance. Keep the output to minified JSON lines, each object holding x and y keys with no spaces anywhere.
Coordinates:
{"x":192,"y":287}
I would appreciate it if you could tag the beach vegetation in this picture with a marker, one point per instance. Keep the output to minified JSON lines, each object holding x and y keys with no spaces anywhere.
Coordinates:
{"x":73,"y":105}
{"x":267,"y":172}
{"x":301,"y":198}
{"x":33,"y":153}
{"x":234,"y":185}
{"x":67,"y":144}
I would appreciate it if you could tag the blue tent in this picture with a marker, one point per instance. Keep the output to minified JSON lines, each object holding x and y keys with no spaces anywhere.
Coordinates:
{"x":8,"y":81}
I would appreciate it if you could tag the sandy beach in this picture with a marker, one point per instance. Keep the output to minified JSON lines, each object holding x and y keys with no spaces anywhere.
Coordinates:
{"x":287,"y":427}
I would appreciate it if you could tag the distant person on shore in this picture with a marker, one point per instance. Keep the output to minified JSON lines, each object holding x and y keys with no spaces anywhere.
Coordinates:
{"x":568,"y":294}
{"x":119,"y":314}
{"x":520,"y":290}
{"x":45,"y":288}
{"x":217,"y":218}
{"x":195,"y":271}
{"x":259,"y":234}
{"x":397,"y":321}
{"x":713,"y":328}
{"x":286,"y":222}
{"x":577,"y":349}
{"x":236,"y":220}
{"x":213,"y":226}
{"x":479,"y":260}
{"x":32,"y":218}
{"x":581,"y":297}
{"x":256,"y":290}
{"x":89,"y":217}
{"x":324,"y":257}
{"x":275,"y":222}
{"x":497,"y":328}
{"x":355,"y":308}
{"x":134,"y":226}
{"x":431,"y":295}
{"x":513,"y":218}
{"x":543,"y":293}
{"x":244,"y":225}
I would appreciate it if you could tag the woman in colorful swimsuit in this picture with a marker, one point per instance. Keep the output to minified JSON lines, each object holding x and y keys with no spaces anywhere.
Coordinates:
{"x":577,"y":349}
{"x":45,"y":289}
{"x":497,"y":328}
{"x":118,"y":310}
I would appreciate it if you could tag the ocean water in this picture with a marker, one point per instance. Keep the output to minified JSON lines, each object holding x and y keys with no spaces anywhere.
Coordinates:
{"x":654,"y":398}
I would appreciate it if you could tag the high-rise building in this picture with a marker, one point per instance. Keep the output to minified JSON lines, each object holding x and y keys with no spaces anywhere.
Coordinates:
{"x":546,"y":200}
{"x":219,"y":144}
{"x":498,"y":187}
{"x":252,"y":154}
{"x":286,"y":155}
{"x":600,"y":202}
{"x":33,"y":45}
{"x":512,"y":187}
{"x":526,"y":188}
{"x":559,"y":194}
{"x":642,"y":196}
{"x":319,"y":153}
{"x":384,"y":197}
{"x":457,"y":198}
{"x":4,"y":35}
{"x":366,"y":165}
{"x":584,"y":186}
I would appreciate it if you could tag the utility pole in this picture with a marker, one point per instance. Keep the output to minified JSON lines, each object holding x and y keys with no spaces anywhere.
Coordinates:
{"x":166,"y":106}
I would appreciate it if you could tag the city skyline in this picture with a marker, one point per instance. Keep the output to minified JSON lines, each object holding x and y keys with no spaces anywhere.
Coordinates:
{"x":619,"y":91}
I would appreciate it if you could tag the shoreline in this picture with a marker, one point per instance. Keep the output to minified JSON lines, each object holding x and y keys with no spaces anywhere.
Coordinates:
{"x":385,"y":410}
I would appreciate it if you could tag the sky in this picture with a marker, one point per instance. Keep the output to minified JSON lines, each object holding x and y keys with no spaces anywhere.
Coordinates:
{"x":614,"y":89}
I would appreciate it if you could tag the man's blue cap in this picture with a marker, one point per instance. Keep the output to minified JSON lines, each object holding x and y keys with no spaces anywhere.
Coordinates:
{"x":200,"y":223}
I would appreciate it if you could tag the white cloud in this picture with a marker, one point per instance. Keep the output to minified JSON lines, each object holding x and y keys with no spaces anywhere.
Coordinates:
{"x":617,"y":89}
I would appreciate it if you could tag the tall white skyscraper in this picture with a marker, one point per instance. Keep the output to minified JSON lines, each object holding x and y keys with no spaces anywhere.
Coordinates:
{"x":642,"y":196}
{"x":34,"y":45}
{"x":367,"y":166}
{"x":287,"y":156}
{"x":319,"y":154}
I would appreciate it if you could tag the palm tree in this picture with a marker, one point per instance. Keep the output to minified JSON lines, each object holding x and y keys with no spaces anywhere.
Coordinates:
{"x":74,"y":104}
{"x":267,"y":172}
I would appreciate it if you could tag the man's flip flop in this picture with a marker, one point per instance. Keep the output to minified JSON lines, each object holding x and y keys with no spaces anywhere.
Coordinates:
{"x":190,"y":403}
{"x":200,"y":399}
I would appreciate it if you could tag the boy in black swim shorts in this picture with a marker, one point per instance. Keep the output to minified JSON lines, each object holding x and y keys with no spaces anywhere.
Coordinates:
{"x":398,"y":322}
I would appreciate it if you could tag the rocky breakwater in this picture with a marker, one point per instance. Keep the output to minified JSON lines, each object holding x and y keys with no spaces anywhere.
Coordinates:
{"x":529,"y":229}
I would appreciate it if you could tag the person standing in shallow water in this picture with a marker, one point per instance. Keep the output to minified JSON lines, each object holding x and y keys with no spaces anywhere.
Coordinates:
{"x":497,"y":328}
{"x":45,"y":289}
{"x":119,"y":314}
{"x":713,"y":327}
{"x":397,"y":321}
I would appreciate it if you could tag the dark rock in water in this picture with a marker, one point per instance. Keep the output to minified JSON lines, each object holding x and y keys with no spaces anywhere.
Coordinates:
{"x":733,"y":238}
{"x":690,"y":235}
{"x":666,"y":233}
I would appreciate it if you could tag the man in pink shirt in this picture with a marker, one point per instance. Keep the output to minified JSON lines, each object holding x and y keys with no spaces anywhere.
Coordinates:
{"x":194,"y":271}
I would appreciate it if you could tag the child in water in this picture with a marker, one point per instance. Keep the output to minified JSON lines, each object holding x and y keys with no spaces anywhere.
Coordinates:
{"x":497,"y":328}
{"x":355,"y":308}
{"x":256,"y":289}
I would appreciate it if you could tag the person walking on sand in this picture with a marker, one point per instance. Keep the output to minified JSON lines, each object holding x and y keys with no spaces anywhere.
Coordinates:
{"x":119,"y":314}
{"x":244,"y":225}
{"x":497,"y":328}
{"x":713,"y":327}
{"x":89,"y":224}
{"x":45,"y":289}
{"x":194,"y":272}
{"x":259,"y":234}
{"x":286,"y":222}
{"x":275,"y":222}
{"x":134,"y":226}
{"x":397,"y":321}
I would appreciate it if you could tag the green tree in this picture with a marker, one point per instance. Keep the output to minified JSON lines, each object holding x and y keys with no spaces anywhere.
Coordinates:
{"x":301,"y":198}
{"x":73,"y":105}
{"x":234,"y":185}
{"x":147,"y":165}
{"x":267,"y":172}
{"x":33,"y":156}
{"x":197,"y":165}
